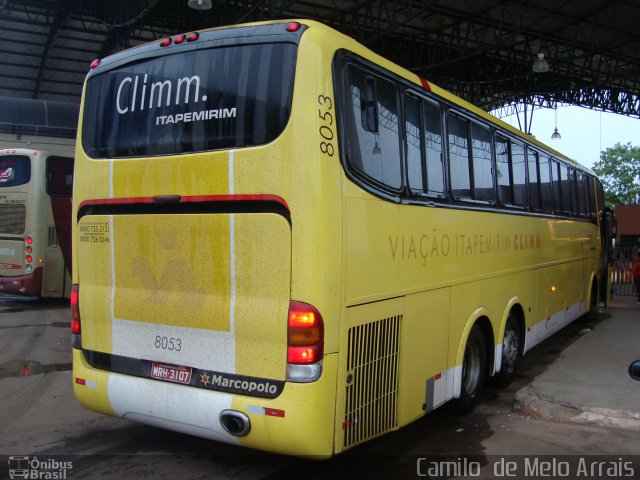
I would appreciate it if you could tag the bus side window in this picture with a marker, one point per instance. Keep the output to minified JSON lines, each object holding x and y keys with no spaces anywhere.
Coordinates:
{"x":519,"y":169}
{"x":546,"y":189}
{"x":573,"y":176}
{"x":482,"y":163}
{"x":555,"y":178}
{"x":583,"y":209}
{"x":565,"y":177}
{"x":505,"y":193}
{"x":414,"y":148}
{"x":433,"y":148}
{"x":459,"y":172}
{"x":600,"y":199}
{"x":424,"y":147}
{"x":60,"y":176}
{"x":534,"y":180}
{"x":591,"y":194}
{"x":374,"y":153}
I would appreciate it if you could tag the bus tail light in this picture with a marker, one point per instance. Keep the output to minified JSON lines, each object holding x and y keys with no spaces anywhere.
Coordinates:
{"x":180,"y":38}
{"x":76,"y":329}
{"x":28,"y":259}
{"x":305,"y":343}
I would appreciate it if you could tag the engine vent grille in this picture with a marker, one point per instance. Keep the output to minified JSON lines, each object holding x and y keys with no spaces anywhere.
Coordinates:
{"x":372,"y":380}
{"x":12,"y":218}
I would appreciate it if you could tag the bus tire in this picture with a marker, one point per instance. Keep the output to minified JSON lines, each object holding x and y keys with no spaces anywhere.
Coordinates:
{"x":511,"y":349}
{"x":473,"y":371}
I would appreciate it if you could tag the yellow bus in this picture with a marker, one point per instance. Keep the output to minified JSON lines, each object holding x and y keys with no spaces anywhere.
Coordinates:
{"x":286,"y":242}
{"x":35,"y":223}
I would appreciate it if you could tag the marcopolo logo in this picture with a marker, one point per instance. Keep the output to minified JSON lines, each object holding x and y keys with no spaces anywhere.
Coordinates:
{"x":256,"y":387}
{"x":38,"y":468}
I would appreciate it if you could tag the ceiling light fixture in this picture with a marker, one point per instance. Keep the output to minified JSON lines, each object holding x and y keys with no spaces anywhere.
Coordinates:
{"x":556,"y":135}
{"x":376,"y":148}
{"x":540,"y":65}
{"x":200,"y":4}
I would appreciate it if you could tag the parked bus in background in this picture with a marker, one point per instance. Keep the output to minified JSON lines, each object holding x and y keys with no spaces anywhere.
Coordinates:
{"x":284,"y":241}
{"x":35,"y":223}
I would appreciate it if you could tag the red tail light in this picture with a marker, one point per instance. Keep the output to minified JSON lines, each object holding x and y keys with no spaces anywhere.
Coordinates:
{"x":292,"y":27}
{"x":75,"y":309}
{"x":305,"y":334}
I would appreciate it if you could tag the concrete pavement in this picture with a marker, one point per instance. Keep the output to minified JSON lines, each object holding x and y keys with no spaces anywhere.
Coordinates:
{"x":590,"y":382}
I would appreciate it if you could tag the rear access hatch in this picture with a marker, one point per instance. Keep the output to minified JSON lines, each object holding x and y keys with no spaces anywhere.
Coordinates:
{"x":208,"y":292}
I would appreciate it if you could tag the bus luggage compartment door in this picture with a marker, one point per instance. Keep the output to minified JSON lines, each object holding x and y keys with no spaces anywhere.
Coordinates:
{"x":207,"y":291}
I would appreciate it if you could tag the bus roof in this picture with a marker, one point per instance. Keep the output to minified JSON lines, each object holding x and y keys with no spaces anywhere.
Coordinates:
{"x":126,"y":55}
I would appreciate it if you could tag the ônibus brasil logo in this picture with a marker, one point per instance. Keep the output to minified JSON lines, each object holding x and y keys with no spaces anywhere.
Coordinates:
{"x":37,"y":468}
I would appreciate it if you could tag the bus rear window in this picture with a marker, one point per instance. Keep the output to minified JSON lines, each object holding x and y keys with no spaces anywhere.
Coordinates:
{"x":14,"y":170}
{"x":192,"y":101}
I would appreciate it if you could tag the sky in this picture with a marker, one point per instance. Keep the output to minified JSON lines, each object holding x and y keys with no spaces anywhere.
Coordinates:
{"x":585,"y":133}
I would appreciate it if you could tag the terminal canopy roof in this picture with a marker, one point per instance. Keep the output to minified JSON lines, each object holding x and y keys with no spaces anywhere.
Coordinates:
{"x":481,"y":50}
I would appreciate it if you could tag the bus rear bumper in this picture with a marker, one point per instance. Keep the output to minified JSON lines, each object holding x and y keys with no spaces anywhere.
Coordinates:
{"x":298,"y":422}
{"x":29,"y":285}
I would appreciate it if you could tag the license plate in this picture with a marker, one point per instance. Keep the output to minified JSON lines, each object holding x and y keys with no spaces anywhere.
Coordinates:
{"x":171,"y":373}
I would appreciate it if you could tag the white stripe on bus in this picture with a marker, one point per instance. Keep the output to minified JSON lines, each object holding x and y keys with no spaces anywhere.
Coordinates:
{"x":137,"y":340}
{"x":232,"y":256}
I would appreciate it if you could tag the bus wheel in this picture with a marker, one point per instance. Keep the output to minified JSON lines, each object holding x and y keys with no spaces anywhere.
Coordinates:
{"x":473,"y":371}
{"x":511,"y":349}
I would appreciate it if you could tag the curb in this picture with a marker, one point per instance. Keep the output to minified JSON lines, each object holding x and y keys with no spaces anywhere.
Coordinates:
{"x":527,"y":402}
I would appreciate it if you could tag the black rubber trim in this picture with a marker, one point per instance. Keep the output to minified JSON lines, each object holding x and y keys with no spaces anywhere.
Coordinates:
{"x":206,"y":207}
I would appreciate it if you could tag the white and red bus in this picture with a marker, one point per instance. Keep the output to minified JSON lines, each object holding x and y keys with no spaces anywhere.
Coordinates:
{"x":35,"y":217}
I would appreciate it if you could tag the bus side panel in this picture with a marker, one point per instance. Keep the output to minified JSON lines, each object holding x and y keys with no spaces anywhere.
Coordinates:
{"x":424,"y":354}
{"x":560,"y":302}
{"x":372,"y":232}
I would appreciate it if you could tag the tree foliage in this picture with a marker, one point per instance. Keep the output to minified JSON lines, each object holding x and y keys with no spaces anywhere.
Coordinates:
{"x":619,"y":172}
